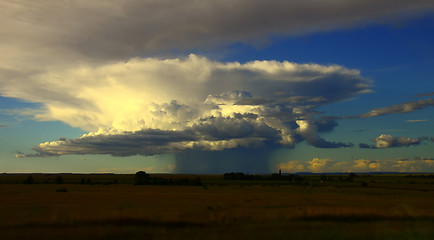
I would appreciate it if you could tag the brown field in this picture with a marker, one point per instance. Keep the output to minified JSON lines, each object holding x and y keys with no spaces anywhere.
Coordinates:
{"x":370,"y":207}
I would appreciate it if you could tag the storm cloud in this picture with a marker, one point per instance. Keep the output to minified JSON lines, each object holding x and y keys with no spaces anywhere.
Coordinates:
{"x":120,"y":104}
{"x":108,"y":68}
{"x":70,"y":31}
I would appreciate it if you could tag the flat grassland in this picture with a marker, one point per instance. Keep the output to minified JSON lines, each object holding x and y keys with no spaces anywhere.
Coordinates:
{"x":112,"y":207}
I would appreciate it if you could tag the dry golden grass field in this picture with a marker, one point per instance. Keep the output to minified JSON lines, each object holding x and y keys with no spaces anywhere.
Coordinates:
{"x":370,"y":207}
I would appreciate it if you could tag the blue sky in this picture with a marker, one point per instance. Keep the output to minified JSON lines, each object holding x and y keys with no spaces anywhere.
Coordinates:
{"x":333,"y":88}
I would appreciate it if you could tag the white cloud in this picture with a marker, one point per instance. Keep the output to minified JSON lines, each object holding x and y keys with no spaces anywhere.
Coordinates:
{"x":136,"y":94}
{"x":389,"y":141}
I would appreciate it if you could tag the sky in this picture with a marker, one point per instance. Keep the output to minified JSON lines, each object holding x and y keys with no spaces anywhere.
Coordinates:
{"x":216,"y":86}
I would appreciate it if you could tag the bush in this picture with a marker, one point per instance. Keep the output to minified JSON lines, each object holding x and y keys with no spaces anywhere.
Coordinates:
{"x":141,"y":178}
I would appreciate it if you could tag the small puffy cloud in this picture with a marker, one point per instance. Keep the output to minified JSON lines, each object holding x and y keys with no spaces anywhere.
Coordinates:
{"x":318,"y":165}
{"x":418,"y":164}
{"x":293,"y":166}
{"x":417,"y":120}
{"x":363,"y":165}
{"x":389,"y":141}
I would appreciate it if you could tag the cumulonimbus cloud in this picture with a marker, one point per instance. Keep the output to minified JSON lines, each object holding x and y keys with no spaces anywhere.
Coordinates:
{"x":79,"y":60}
{"x":121,"y":100}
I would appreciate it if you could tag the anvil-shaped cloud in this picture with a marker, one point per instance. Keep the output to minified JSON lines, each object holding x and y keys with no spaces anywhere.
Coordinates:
{"x":149,"y":106}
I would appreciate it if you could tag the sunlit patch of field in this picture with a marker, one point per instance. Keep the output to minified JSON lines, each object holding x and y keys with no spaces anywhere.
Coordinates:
{"x":383,"y":210}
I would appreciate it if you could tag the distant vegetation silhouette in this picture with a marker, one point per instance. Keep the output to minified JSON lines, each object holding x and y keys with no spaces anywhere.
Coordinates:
{"x":29,"y":180}
{"x":142,"y":178}
{"x":58,"y":180}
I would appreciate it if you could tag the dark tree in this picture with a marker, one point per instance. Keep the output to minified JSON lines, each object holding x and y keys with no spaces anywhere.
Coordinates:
{"x":323,"y":178}
{"x":351,"y":177}
{"x":141,"y":178}
{"x":197,"y":181}
{"x":28,"y":180}
{"x":58,"y":180}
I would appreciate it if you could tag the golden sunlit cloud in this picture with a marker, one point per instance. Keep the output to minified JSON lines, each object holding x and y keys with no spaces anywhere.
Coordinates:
{"x":318,"y":165}
{"x":213,"y":105}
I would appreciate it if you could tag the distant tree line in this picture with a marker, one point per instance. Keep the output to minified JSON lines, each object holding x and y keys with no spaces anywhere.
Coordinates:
{"x":274,"y":176}
{"x":419,"y":176}
{"x":286,"y":177}
{"x":59,"y":180}
{"x":142,"y":178}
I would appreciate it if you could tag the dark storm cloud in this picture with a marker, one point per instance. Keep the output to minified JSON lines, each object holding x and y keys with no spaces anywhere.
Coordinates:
{"x":149,"y":142}
{"x":326,"y":125}
{"x":423,"y":158}
{"x":145,"y":142}
{"x":211,"y":134}
{"x":305,"y":84}
{"x":364,"y":145}
{"x":322,"y":143}
{"x":308,"y":130}
{"x":240,"y":159}
{"x":231,"y":128}
{"x":119,"y":29}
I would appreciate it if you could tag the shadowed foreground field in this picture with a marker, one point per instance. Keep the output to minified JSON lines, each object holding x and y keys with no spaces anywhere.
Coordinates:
{"x":369,"y":207}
